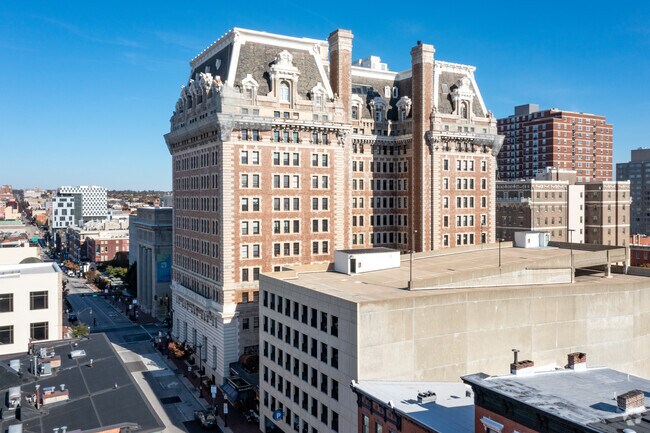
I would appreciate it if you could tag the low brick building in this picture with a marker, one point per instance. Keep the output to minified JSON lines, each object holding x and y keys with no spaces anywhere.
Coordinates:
{"x":573,"y":398}
{"x":414,"y":407}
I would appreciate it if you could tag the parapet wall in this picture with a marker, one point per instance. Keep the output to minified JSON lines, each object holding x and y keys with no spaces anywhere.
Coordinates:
{"x":443,"y":334}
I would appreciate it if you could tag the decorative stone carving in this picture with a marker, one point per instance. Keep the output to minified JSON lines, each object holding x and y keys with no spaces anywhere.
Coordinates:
{"x":226,"y":125}
{"x":283,"y":67}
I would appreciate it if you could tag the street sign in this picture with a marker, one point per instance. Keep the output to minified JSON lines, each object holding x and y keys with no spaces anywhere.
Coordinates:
{"x":278,"y":414}
{"x":213,"y":391}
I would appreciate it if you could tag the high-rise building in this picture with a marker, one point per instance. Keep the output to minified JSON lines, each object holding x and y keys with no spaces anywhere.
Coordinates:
{"x":557,"y":138}
{"x":637,"y":171}
{"x":283,"y":150}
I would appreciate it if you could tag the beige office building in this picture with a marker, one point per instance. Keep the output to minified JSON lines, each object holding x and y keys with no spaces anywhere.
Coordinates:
{"x":322,"y":329}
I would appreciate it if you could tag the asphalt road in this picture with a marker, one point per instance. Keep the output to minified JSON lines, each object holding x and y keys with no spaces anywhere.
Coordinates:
{"x":160,"y":382}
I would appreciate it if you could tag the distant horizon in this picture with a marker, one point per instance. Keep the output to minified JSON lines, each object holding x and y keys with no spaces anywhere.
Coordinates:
{"x":96,"y":87}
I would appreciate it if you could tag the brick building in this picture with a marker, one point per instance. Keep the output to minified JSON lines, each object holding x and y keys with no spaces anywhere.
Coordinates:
{"x":571,"y":398}
{"x":414,"y":407}
{"x":108,"y":245}
{"x":537,"y":139}
{"x":284,"y":150}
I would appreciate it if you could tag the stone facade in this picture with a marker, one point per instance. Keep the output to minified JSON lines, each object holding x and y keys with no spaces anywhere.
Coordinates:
{"x":152,"y":227}
{"x":284,"y":151}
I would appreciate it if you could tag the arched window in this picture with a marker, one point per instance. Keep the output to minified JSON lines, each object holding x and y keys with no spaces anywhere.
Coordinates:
{"x":285,"y":95}
{"x":463,"y":110}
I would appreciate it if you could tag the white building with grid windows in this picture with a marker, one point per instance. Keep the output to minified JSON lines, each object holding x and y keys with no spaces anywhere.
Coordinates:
{"x":30,"y":300}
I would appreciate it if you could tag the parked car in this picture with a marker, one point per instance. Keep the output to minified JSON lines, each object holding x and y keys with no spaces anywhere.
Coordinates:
{"x":72,"y":317}
{"x":207,"y":419}
{"x":252,"y":417}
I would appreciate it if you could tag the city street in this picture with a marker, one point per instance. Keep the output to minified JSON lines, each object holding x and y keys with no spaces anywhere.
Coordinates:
{"x":165,"y":387}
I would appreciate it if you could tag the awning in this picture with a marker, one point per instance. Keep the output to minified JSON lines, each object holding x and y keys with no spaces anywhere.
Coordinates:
{"x":230,"y":393}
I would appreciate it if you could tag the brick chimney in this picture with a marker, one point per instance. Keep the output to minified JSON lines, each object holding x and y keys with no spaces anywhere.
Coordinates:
{"x":340,"y":50}
{"x":522,"y":367}
{"x":421,"y":197}
{"x":577,"y":361}
{"x":631,"y":402}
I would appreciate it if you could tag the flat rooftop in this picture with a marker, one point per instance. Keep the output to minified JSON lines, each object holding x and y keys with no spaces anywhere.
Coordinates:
{"x":452,"y":411}
{"x":100,"y":395}
{"x":434,"y":271}
{"x":583,"y":397}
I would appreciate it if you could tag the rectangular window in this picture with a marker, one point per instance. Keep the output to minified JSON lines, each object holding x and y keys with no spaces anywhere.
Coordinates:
{"x":7,"y":334}
{"x":39,"y":331}
{"x":38,"y":300}
{"x":6,"y":302}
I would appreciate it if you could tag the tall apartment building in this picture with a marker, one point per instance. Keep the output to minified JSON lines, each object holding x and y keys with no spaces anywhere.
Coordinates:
{"x":557,"y":138}
{"x":637,"y":171}
{"x":74,"y":205}
{"x":593,"y":213}
{"x":283,"y":150}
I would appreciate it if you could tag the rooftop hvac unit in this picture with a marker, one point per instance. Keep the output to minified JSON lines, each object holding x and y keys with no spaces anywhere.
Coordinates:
{"x":16,"y":428}
{"x":77,"y":353}
{"x":46,"y":369}
{"x":14,"y":364}
{"x":14,"y":397}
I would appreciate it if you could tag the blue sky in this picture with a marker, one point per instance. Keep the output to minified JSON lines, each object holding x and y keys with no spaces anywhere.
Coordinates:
{"x":87,"y":88}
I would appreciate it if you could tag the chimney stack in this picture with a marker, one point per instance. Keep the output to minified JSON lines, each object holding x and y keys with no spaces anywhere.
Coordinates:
{"x":340,"y":51}
{"x":520,"y":368}
{"x":420,"y":197}
{"x":577,"y":361}
{"x":631,"y":402}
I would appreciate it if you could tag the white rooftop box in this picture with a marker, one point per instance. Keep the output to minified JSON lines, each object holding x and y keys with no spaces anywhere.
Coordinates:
{"x":365,"y":260}
{"x":532,"y":239}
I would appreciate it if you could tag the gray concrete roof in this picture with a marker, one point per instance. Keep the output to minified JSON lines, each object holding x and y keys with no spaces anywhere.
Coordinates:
{"x":440,"y":266}
{"x":582,"y":397}
{"x":452,"y":412}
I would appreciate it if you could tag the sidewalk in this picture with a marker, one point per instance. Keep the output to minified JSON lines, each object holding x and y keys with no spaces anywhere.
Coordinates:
{"x":143,"y":318}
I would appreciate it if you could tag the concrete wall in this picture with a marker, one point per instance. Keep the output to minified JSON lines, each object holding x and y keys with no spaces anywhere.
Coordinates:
{"x":441,"y":336}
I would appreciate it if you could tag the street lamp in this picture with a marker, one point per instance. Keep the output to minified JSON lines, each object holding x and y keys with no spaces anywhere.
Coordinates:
{"x":411,"y":260}
{"x":200,"y":347}
{"x":571,"y":249}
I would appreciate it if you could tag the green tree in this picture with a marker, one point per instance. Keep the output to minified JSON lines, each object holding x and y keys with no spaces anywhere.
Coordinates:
{"x":80,"y":330}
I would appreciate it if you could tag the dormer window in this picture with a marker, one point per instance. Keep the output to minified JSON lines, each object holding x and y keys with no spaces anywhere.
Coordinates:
{"x":250,"y":87}
{"x":395,"y":93}
{"x":404,"y":107}
{"x":463,"y":110}
{"x":378,"y":107}
{"x":356,"y":103}
{"x":387,"y":91}
{"x":284,"y":76}
{"x":285,"y":92}
{"x":317,"y":95}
